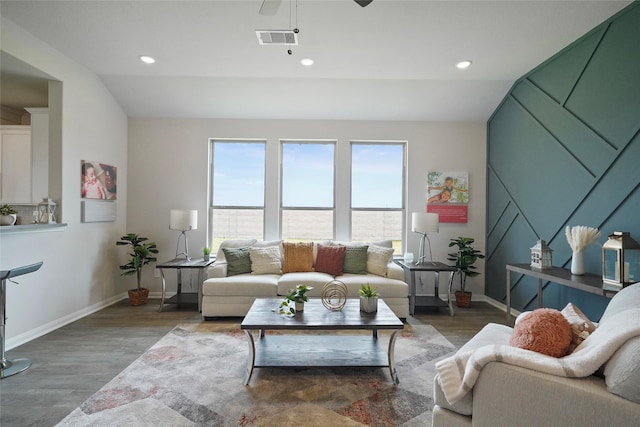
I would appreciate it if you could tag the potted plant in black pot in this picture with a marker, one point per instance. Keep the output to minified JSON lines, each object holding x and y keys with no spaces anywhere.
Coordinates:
{"x":142,"y":253}
{"x":464,"y":259}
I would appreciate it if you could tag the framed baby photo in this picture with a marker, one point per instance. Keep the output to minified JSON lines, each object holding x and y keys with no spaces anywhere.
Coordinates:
{"x":98,"y":180}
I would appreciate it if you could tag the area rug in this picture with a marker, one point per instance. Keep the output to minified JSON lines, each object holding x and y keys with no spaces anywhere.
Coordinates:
{"x":194,"y":376}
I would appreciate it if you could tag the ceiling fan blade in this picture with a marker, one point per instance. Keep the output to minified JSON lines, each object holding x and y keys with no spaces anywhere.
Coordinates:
{"x":363,"y":3}
{"x":269,"y":7}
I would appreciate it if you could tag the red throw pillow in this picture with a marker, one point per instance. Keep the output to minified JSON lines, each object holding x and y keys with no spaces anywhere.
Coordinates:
{"x":330,"y":259}
{"x":544,"y":331}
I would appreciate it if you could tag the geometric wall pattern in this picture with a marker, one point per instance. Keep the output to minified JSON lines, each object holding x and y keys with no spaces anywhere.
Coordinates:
{"x":564,"y":149}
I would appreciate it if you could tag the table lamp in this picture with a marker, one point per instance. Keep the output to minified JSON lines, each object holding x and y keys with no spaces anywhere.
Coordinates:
{"x":424,"y":223}
{"x":184,"y":221}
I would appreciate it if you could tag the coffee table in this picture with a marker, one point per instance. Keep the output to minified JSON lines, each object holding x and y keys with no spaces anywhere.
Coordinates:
{"x":313,"y":349}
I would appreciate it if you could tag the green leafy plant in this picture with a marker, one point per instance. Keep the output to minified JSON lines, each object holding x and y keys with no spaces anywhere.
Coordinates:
{"x":297,"y":295}
{"x":142,"y":253}
{"x":464,"y":258}
{"x":7,"y":210}
{"x":206,"y":251}
{"x":367,"y":291}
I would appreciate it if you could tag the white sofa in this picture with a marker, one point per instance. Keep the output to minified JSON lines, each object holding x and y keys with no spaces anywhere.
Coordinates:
{"x":509,"y":395}
{"x":232,"y":296}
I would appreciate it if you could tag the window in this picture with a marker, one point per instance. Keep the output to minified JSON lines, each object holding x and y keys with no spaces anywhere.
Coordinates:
{"x":377,"y":189}
{"x":307,"y":190}
{"x":237,"y":190}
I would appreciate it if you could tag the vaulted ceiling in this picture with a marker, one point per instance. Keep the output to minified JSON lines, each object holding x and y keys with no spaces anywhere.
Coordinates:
{"x":392,"y":60}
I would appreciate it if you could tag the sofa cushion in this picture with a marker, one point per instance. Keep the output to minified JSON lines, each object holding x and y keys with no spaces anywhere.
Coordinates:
{"x":238,"y":260}
{"x":297,"y":257}
{"x":314,"y":279}
{"x":265,"y":260}
{"x":581,"y":326}
{"x":355,"y":259}
{"x":377,"y":259}
{"x":387,"y":288}
{"x":628,"y":298}
{"x":330,"y":259}
{"x":232,"y":244}
{"x":622,"y":371}
{"x":544,"y":331}
{"x":257,"y":286}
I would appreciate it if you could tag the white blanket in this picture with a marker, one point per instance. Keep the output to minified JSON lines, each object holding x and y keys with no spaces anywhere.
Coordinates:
{"x":459,"y":373}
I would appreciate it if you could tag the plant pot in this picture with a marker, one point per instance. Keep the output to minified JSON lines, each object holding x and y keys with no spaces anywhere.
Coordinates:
{"x":463,"y":299}
{"x":299,"y":307}
{"x":138,"y":297}
{"x":8,"y":219}
{"x":369,"y":305}
{"x":207,"y":257}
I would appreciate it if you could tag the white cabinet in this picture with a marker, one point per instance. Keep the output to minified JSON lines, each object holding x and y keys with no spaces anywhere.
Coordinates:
{"x":15,"y":164}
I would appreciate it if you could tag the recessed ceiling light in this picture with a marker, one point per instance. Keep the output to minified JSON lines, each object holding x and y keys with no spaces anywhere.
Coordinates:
{"x":307,"y":62}
{"x":147,"y":59}
{"x":463,"y":64}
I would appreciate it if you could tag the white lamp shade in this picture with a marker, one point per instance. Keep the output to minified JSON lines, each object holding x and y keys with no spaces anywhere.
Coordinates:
{"x":183,"y":220}
{"x":423,"y":222}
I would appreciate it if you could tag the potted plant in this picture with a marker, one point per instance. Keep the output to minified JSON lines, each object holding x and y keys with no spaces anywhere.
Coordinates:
{"x":8,"y":215}
{"x":207,"y":253}
{"x":142,"y":253}
{"x":464,"y":259}
{"x":368,"y":298}
{"x":297,"y":297}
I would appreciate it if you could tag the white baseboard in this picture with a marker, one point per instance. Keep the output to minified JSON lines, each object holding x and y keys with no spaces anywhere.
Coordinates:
{"x":25,"y":337}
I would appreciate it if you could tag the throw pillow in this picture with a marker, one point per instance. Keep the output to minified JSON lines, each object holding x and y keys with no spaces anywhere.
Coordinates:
{"x":581,"y":326}
{"x":232,"y":244}
{"x":355,"y":260}
{"x":297,"y":257}
{"x":377,"y":260}
{"x":544,"y":331}
{"x":330,"y":259}
{"x":265,"y":260}
{"x":238,"y":260}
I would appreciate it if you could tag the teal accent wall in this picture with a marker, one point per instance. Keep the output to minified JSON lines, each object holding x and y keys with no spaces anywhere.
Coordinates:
{"x":564,"y":149}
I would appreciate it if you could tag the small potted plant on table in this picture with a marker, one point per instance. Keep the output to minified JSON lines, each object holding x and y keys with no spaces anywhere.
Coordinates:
{"x":206,"y":253}
{"x":8,"y":215}
{"x":297,"y":297}
{"x":368,"y":298}
{"x":142,"y":254}
{"x":464,"y":259}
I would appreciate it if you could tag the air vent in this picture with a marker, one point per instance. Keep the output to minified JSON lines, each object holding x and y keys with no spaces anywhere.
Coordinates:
{"x":285,"y":37}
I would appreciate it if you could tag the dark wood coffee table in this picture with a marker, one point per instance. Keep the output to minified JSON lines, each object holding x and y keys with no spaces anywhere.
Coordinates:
{"x":313,"y":349}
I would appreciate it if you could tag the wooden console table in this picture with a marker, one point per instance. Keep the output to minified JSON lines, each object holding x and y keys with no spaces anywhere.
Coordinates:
{"x":588,"y":282}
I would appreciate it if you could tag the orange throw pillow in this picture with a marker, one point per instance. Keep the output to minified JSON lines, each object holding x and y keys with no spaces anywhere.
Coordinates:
{"x":544,"y":331}
{"x":298,"y":257}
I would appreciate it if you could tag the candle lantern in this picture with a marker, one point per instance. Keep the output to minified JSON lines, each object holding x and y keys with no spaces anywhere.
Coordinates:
{"x":47,"y":211}
{"x":541,"y":256}
{"x":620,"y":261}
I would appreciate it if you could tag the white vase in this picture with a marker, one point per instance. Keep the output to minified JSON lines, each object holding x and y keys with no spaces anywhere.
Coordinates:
{"x":369,"y":305}
{"x":577,"y":263}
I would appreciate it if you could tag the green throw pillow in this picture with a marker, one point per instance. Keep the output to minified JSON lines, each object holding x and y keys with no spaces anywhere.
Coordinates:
{"x":355,"y":260}
{"x":238,"y":260}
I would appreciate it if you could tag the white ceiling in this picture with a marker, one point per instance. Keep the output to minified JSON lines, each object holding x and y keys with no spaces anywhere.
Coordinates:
{"x":393,"y":60}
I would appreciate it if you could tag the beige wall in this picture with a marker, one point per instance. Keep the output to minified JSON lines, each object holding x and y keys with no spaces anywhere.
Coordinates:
{"x":168,"y":161}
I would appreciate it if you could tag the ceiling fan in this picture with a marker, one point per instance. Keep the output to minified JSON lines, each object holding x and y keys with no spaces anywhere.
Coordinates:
{"x":270,"y":7}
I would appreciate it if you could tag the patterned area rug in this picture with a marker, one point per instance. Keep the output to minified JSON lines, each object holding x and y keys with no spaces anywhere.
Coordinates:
{"x":194,"y":376}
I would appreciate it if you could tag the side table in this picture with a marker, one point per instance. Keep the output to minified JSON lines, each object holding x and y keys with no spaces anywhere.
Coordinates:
{"x":181,"y":297}
{"x":428,"y":301}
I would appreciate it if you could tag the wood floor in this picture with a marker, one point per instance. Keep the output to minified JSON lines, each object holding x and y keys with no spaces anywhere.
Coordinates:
{"x":73,"y":362}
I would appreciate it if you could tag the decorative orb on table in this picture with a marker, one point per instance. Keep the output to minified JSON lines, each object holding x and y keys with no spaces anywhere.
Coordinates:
{"x":334,"y":295}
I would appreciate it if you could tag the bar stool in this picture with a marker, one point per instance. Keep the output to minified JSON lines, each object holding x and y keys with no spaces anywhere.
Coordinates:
{"x":11,"y":367}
